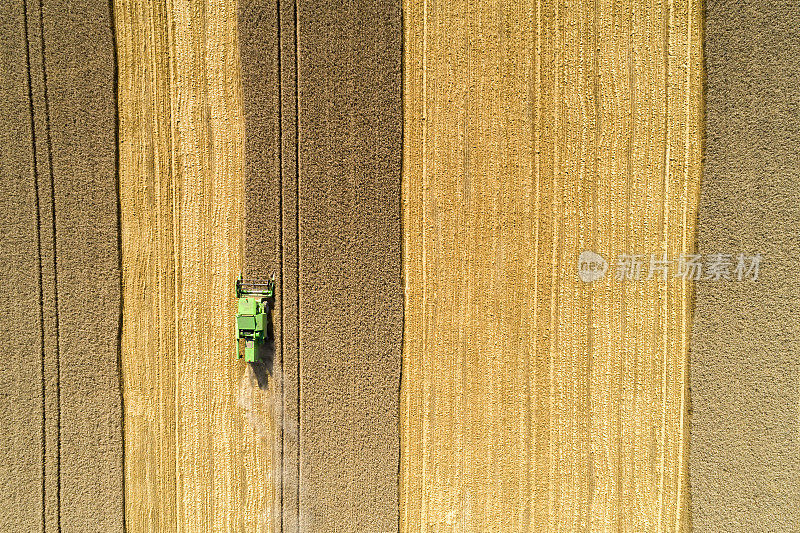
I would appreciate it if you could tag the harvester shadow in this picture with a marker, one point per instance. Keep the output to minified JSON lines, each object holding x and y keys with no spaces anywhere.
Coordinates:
{"x":262,"y":369}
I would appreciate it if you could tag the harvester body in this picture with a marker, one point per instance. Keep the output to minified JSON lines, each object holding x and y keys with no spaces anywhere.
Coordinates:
{"x":252,"y":316}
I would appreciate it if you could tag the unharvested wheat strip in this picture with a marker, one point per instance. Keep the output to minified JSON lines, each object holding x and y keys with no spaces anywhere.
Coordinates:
{"x":60,"y":403}
{"x":745,"y":459}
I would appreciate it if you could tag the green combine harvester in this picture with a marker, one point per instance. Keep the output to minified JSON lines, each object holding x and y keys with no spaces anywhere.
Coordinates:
{"x":252,"y":316}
